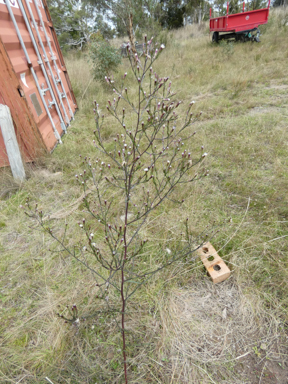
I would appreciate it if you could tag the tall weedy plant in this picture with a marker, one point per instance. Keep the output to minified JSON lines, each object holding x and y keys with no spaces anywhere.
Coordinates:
{"x":143,"y":165}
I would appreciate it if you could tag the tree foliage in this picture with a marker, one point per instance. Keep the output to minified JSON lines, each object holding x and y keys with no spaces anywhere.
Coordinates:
{"x":105,"y":59}
{"x":170,"y":13}
{"x":143,"y":12}
{"x":278,"y":3}
{"x":76,"y":20}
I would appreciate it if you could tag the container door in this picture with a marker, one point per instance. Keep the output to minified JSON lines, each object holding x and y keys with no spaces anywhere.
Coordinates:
{"x":19,"y":44}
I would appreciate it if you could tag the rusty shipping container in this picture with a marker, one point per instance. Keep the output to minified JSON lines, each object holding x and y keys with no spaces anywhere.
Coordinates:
{"x":34,"y":82}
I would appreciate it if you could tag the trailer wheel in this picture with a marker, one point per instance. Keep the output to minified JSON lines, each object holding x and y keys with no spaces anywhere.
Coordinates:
{"x":242,"y":38}
{"x":215,"y":37}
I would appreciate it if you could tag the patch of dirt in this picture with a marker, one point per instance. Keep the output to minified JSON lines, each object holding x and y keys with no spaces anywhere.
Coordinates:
{"x":45,"y":174}
{"x":259,"y":110}
{"x":257,"y":369}
{"x":218,"y":334}
{"x":277,"y":86}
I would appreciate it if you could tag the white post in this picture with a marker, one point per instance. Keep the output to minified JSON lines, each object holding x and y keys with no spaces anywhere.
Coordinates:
{"x":10,"y":141}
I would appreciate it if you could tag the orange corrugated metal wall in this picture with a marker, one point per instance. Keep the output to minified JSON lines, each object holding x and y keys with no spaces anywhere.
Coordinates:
{"x":46,"y":67}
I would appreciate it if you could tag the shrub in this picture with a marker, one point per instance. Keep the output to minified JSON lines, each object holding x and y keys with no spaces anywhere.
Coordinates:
{"x":145,"y":164}
{"x":105,"y":59}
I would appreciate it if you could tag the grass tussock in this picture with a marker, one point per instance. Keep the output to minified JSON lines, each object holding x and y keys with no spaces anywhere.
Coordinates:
{"x":182,"y":328}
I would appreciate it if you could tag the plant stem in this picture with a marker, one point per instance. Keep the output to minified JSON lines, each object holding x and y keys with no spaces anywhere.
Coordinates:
{"x":123,"y":326}
{"x":122,"y":281}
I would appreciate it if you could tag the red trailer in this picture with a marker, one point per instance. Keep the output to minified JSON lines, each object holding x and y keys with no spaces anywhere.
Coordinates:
{"x":239,"y":26}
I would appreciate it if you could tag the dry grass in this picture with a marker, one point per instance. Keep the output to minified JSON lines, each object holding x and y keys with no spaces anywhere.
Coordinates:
{"x":183,"y":329}
{"x":207,"y":329}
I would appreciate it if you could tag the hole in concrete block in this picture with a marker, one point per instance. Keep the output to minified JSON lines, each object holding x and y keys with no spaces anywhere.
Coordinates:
{"x":205,"y":249}
{"x":216,"y":267}
{"x":211,"y":258}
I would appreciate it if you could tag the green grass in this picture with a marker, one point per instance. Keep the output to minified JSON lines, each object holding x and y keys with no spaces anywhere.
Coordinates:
{"x":242,"y":91}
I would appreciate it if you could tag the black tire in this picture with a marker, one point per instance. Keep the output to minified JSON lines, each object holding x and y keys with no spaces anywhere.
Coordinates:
{"x":215,"y":37}
{"x":242,"y":38}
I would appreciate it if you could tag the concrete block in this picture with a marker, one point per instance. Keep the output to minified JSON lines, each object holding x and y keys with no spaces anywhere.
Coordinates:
{"x":215,"y":266}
